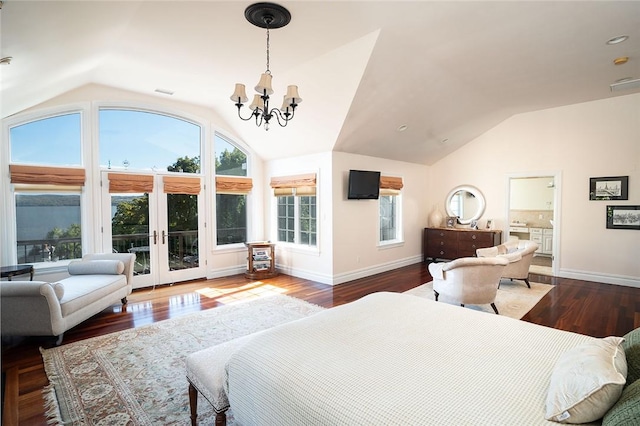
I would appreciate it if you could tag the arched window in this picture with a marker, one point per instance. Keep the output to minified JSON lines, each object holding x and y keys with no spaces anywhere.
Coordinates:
{"x":142,"y":140}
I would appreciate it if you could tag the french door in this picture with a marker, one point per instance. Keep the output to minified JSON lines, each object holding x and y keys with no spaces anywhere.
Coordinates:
{"x":159,"y":218}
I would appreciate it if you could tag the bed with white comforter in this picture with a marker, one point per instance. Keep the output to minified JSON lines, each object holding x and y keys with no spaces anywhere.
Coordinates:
{"x":392,"y":358}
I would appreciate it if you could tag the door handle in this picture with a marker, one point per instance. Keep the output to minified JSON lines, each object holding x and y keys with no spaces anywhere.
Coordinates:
{"x":155,"y":238}
{"x":163,"y":236}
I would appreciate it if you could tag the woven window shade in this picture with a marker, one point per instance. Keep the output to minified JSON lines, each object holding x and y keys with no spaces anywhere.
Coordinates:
{"x":299,"y":191}
{"x":390,"y":182}
{"x":296,"y":181}
{"x":233,"y":185}
{"x":47,"y":175}
{"x":181,"y":185}
{"x":121,"y":182}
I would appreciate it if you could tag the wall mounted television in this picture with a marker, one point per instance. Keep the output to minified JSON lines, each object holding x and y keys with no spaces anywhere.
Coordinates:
{"x":363,"y":185}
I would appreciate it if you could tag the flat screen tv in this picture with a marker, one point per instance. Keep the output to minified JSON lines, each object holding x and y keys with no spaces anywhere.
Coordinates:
{"x":363,"y":185}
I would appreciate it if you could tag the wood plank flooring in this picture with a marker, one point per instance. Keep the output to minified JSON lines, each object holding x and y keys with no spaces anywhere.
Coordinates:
{"x":583,"y":307}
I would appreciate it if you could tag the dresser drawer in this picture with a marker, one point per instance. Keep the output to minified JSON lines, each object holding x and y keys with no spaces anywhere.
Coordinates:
{"x":469,"y":237}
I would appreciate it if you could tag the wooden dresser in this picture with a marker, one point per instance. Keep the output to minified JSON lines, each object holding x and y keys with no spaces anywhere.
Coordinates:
{"x":452,"y":243}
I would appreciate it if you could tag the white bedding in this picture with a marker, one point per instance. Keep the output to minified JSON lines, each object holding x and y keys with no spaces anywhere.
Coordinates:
{"x":392,"y":358}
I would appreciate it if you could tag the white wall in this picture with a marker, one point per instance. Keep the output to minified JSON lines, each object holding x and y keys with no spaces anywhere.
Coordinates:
{"x":356,"y":253}
{"x":591,"y":139}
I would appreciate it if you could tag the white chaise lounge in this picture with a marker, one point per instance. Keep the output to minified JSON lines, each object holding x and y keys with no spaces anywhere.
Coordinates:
{"x":39,"y":308}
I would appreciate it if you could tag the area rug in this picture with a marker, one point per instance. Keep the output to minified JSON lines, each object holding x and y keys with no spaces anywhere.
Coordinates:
{"x":137,"y":376}
{"x":514,"y":298}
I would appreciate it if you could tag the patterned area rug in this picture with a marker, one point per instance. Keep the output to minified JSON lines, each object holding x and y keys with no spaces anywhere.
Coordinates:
{"x":137,"y":376}
{"x":514,"y":299}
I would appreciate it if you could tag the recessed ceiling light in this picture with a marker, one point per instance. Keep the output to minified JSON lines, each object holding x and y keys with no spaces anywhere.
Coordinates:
{"x":402,"y":128}
{"x":445,"y":140}
{"x":165,"y":91}
{"x":618,"y":39}
{"x":621,"y":60}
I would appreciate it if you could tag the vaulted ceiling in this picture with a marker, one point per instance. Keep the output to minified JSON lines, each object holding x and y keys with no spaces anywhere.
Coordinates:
{"x":448,"y":71}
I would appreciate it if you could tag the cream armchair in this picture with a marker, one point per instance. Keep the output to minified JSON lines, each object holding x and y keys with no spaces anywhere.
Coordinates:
{"x":469,"y":280}
{"x":518,"y":253}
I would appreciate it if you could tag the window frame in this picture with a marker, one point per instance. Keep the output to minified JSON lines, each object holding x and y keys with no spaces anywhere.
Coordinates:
{"x":397,"y":214}
{"x":297,"y":222}
{"x":248,"y":196}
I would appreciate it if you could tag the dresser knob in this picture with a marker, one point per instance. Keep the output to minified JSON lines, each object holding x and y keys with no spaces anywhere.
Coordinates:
{"x":441,"y":243}
{"x":473,"y":237}
{"x":441,"y":252}
{"x":442,"y":234}
{"x":473,"y":246}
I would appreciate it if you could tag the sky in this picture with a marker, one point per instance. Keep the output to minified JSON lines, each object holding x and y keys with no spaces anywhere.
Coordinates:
{"x":129,"y":139}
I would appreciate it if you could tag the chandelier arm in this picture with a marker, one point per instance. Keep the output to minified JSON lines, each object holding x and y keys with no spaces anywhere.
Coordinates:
{"x":280,"y":116}
{"x":253,"y":113}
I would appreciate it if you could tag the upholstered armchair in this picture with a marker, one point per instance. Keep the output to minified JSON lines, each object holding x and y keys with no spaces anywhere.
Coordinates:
{"x":468,"y":280}
{"x":518,"y":253}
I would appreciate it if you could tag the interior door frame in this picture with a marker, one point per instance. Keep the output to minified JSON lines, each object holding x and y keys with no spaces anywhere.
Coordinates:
{"x":556,"y":175}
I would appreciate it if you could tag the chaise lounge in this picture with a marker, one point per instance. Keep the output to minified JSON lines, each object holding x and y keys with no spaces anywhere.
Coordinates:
{"x":39,"y":308}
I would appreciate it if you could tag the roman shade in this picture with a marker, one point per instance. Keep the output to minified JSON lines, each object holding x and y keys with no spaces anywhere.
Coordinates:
{"x":304,"y":184}
{"x":390,"y":185}
{"x":122,"y":182}
{"x":233,"y":185}
{"x":181,"y":185}
{"x":38,"y":175}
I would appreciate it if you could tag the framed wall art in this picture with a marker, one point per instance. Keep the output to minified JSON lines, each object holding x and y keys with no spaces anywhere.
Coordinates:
{"x":609,"y":188}
{"x":623,"y":217}
{"x":451,"y":221}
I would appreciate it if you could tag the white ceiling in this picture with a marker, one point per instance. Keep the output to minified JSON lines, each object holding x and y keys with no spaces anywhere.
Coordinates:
{"x":448,"y":70}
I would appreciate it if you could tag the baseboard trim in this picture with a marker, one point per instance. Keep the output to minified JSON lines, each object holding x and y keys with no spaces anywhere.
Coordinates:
{"x":600,"y":278}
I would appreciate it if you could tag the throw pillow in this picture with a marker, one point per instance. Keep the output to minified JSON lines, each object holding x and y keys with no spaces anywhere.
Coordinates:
{"x":631,"y":347}
{"x":627,"y":409}
{"x":96,"y":267}
{"x":587,"y":381}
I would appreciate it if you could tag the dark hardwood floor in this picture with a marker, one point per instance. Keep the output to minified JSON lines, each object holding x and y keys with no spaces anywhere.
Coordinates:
{"x":583,"y":307}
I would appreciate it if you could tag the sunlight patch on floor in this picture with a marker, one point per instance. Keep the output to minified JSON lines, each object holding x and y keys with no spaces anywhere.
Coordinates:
{"x":250,"y":291}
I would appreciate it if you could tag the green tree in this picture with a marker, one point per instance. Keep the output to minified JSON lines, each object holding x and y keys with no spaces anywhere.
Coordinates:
{"x":231,"y":163}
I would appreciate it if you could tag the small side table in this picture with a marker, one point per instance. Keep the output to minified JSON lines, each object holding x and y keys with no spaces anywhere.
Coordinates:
{"x":10,"y":271}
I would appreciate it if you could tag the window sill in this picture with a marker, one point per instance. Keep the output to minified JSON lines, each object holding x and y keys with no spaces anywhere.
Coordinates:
{"x":383,"y":245}
{"x":298,"y":248}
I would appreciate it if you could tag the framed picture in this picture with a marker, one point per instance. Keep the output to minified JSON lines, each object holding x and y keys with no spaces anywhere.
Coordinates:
{"x":489,"y":224}
{"x":451,"y":221}
{"x":623,"y":217}
{"x":609,"y":188}
{"x":474,"y":224}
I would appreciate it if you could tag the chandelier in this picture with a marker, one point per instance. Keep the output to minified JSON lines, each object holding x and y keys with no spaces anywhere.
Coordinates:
{"x":269,"y":16}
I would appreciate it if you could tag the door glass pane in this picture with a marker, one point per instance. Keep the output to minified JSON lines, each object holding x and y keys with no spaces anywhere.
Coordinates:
{"x":48,"y":227}
{"x":130,"y":228}
{"x":182,"y":216}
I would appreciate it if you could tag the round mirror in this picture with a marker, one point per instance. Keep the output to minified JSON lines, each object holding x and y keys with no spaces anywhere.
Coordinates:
{"x":466,"y":202}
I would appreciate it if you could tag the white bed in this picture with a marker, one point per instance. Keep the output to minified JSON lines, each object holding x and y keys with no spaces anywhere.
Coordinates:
{"x":392,"y":358}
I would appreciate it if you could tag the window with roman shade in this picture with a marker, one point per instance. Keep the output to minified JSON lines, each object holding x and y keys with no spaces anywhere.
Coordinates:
{"x":296,"y":208}
{"x":390,"y":229}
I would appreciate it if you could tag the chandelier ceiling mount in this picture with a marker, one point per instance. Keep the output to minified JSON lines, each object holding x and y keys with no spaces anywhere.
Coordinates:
{"x":268,"y":16}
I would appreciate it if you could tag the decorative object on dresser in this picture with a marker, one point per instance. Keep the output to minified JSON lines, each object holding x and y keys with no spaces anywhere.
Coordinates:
{"x":435,"y":217}
{"x":452,"y":243}
{"x":261,"y":260}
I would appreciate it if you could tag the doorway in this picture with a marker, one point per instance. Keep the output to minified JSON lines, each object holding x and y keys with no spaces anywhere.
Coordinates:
{"x":158,"y":218}
{"x":533,"y":210}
